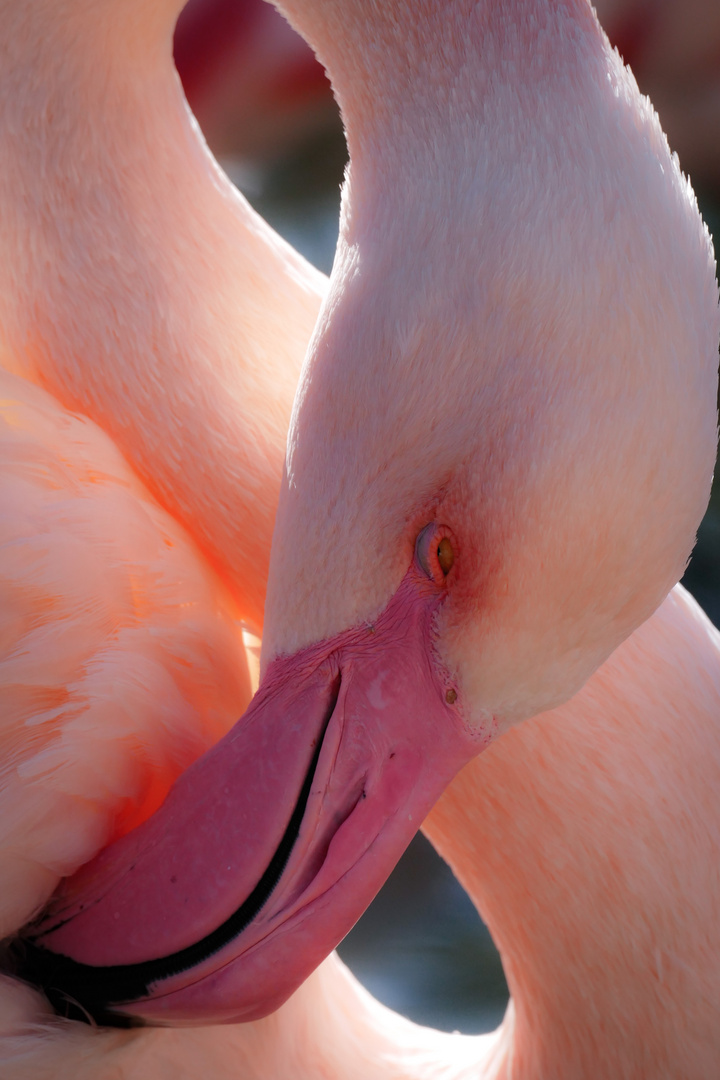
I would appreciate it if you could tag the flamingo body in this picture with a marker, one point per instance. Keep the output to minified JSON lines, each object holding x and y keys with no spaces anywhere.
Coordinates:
{"x":121,"y":660}
{"x":121,"y":594}
{"x":502,"y":527}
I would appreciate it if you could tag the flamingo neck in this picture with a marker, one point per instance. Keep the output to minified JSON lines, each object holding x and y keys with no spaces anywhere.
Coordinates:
{"x":413,"y":75}
{"x":71,"y":35}
{"x":136,"y":284}
{"x":586,"y":839}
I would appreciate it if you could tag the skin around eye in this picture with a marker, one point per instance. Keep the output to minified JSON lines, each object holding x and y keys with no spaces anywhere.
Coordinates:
{"x":434,"y":552}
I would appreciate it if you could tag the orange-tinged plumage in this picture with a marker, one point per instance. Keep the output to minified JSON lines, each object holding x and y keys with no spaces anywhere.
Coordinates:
{"x":122,"y":655}
{"x":152,"y":329}
{"x":107,"y":190}
{"x":133,"y":433}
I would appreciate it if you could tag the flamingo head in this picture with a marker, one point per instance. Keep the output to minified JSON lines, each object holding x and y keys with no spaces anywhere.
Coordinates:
{"x":501,"y":447}
{"x":524,"y":386}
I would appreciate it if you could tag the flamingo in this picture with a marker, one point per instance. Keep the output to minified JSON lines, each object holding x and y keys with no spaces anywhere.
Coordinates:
{"x":113,"y":558}
{"x":475,"y":562}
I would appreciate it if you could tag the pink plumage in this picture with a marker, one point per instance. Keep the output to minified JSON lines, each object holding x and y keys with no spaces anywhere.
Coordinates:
{"x":521,"y":324}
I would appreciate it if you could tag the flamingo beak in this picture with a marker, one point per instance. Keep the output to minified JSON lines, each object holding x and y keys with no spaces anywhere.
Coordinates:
{"x":270,"y":847}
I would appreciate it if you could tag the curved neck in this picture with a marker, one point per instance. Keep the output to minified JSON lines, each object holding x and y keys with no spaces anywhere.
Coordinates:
{"x":74,"y":35}
{"x":136,"y":284}
{"x":406,"y":69}
{"x":587,"y":839}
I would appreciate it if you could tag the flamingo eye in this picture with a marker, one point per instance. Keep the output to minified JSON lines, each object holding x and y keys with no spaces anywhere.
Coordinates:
{"x":445,"y":555}
{"x":434,"y":552}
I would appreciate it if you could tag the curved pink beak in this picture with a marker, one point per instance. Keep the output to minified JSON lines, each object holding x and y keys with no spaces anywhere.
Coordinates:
{"x":269,"y":848}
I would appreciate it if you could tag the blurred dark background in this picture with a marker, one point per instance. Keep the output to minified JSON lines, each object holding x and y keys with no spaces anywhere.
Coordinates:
{"x":267,"y":112}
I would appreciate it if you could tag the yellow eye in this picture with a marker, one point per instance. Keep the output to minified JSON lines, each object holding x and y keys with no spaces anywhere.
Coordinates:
{"x":445,"y":555}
